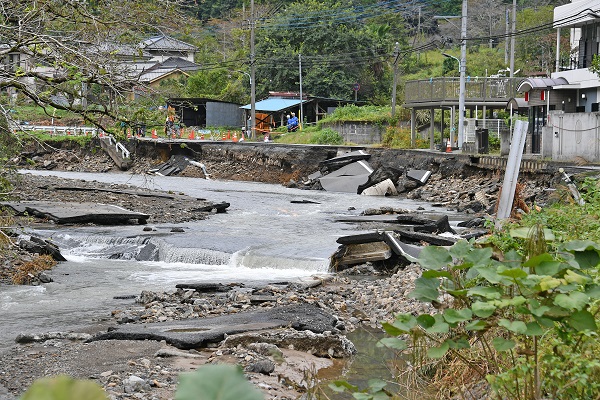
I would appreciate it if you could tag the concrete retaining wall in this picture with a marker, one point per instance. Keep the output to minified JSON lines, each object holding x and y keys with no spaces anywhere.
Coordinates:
{"x":359,"y":132}
{"x":572,"y":135}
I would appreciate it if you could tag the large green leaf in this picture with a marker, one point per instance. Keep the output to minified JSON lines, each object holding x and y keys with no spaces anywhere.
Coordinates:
{"x":453,"y":316}
{"x":593,"y":291}
{"x":512,"y":259}
{"x":583,"y":320}
{"x":550,"y":268}
{"x":513,"y":326}
{"x":483,"y":309}
{"x":581,"y":245}
{"x":432,"y":273}
{"x":438,"y":352}
{"x":476,"y":325}
{"x":460,"y":249}
{"x":439,"y":326}
{"x":490,"y":274}
{"x":549,"y":283}
{"x":434,"y":257}
{"x":515,"y":273}
{"x":574,"y":277}
{"x":425,"y":320}
{"x":391,"y":329}
{"x":64,"y":388}
{"x":216,"y":382}
{"x":489,"y":292}
{"x":587,"y":259}
{"x":534,"y":261}
{"x":479,"y":256}
{"x":425,"y":289}
{"x":404,"y":322}
{"x":501,"y":344}
{"x":510,"y":302}
{"x":534,"y":329}
{"x":572,"y":301}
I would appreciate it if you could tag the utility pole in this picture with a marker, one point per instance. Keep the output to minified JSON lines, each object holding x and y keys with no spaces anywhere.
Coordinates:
{"x":507,"y":30}
{"x":512,"y":38}
{"x":463,"y":69}
{"x":301,"y":108}
{"x":396,"y":54}
{"x":252,"y":74}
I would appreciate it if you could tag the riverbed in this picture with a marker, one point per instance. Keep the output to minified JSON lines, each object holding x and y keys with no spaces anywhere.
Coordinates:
{"x":269,"y":233}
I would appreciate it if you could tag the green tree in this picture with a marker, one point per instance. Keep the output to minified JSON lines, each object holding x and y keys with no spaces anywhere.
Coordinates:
{"x":337,"y":46}
{"x":58,"y":52}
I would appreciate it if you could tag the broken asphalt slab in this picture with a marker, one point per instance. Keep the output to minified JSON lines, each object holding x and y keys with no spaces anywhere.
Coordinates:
{"x":199,"y":332}
{"x":77,"y":213}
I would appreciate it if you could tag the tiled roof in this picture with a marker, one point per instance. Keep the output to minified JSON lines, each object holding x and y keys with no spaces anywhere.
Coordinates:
{"x":163,"y":43}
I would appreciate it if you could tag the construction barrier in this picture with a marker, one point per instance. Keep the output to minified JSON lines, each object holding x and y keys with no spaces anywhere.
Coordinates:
{"x":235,"y":137}
{"x":154,"y":135}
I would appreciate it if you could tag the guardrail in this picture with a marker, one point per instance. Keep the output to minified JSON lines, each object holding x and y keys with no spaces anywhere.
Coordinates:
{"x":59,"y":130}
{"x":119,"y":147}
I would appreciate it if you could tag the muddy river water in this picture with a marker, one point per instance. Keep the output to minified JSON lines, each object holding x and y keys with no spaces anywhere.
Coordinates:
{"x":262,"y":237}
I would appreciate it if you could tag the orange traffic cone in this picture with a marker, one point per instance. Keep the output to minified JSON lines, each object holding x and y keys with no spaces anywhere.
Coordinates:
{"x":192,"y":135}
{"x":224,"y":137}
{"x":201,"y":135}
{"x":228,"y":135}
{"x":235,"y":138}
{"x":128,"y":133}
{"x":154,"y":135}
{"x":448,"y":147}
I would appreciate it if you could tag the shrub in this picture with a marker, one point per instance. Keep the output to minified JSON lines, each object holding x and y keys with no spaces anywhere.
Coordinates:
{"x":399,"y":138}
{"x":326,"y":136}
{"x":510,"y":319}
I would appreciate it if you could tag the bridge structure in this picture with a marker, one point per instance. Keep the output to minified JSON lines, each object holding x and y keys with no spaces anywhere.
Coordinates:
{"x":486,"y":94}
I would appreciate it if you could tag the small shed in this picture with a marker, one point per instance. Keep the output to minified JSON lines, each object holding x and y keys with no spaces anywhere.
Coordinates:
{"x":202,"y":112}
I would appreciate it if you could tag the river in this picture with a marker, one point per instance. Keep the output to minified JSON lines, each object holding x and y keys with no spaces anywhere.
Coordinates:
{"x":262,"y":237}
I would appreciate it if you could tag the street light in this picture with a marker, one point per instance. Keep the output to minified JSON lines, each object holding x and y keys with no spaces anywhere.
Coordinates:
{"x":247,"y":74}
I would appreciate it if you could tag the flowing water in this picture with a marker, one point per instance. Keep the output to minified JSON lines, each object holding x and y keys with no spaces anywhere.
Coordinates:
{"x":263,"y":237}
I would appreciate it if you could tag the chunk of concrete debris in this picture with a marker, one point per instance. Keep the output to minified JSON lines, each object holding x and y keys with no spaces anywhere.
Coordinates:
{"x":385,"y":188}
{"x":359,"y":253}
{"x":348,"y":178}
{"x":419,"y":175}
{"x":344,"y":159}
{"x":382,"y":174}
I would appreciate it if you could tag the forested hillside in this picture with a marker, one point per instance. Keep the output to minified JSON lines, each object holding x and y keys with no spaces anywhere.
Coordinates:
{"x":336,"y":44}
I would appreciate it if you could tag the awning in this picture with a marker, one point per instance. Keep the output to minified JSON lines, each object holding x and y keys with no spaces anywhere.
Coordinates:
{"x":516,"y":103}
{"x":275,"y":104}
{"x":540,"y":83}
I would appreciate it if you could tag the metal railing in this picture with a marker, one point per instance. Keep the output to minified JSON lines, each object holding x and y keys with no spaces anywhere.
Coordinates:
{"x":448,"y":89}
{"x":59,"y":130}
{"x":119,"y":147}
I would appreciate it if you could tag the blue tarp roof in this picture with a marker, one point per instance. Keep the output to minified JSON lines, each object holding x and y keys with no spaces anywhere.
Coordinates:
{"x":273,"y":104}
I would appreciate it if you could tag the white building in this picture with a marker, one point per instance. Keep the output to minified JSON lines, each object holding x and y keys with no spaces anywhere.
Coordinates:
{"x":564,"y":109}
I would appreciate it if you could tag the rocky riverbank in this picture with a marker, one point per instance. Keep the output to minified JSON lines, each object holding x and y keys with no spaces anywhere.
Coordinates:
{"x":277,"y":365}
